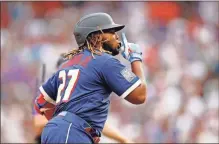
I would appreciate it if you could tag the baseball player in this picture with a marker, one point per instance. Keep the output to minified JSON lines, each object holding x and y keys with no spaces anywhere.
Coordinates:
{"x":75,"y":99}
{"x":40,"y":121}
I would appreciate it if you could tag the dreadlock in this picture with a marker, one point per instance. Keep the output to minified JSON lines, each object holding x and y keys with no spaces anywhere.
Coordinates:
{"x":94,"y":43}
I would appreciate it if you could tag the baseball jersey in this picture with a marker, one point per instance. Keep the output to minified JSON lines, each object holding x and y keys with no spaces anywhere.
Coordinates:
{"x":83,"y":85}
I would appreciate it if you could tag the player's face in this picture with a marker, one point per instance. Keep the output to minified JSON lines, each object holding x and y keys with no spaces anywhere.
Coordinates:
{"x":112,"y":43}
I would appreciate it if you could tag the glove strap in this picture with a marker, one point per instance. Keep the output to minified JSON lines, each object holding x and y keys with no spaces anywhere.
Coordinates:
{"x":135,"y":57}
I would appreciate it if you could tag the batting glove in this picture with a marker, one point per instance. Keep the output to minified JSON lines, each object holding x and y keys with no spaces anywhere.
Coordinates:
{"x":130,"y":51}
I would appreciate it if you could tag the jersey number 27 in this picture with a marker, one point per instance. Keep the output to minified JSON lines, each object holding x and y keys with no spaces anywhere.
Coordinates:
{"x":73,"y":76}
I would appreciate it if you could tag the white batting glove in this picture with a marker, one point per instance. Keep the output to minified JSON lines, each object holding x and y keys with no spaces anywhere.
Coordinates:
{"x":130,"y":51}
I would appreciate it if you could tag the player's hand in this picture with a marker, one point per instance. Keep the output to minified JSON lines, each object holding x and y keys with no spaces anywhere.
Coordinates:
{"x":130,"y":51}
{"x":48,"y":112}
{"x":127,"y":141}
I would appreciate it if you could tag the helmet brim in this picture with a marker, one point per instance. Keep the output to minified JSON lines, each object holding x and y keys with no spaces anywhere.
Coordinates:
{"x":115,"y":27}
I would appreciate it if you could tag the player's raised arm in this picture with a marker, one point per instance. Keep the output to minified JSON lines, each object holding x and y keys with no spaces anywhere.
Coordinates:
{"x":124,"y":82}
{"x":138,"y":95}
{"x":133,"y":53}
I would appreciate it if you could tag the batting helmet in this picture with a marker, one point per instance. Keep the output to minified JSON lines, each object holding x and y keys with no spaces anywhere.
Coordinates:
{"x":93,"y":23}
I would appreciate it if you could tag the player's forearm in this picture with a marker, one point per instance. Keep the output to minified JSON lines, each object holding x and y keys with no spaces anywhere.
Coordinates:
{"x":139,"y":94}
{"x":113,"y":134}
{"x":137,"y":69}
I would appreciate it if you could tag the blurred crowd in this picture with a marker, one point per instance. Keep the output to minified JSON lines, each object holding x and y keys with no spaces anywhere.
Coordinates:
{"x":181,"y":56}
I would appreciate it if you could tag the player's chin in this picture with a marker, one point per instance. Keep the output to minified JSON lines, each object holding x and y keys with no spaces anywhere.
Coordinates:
{"x":115,"y":51}
{"x":113,"y":48}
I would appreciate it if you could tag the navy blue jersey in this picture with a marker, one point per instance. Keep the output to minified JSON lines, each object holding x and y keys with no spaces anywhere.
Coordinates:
{"x":83,"y":85}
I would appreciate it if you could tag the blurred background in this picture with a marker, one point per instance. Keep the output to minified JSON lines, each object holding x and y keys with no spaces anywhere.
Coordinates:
{"x":180,"y":41}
